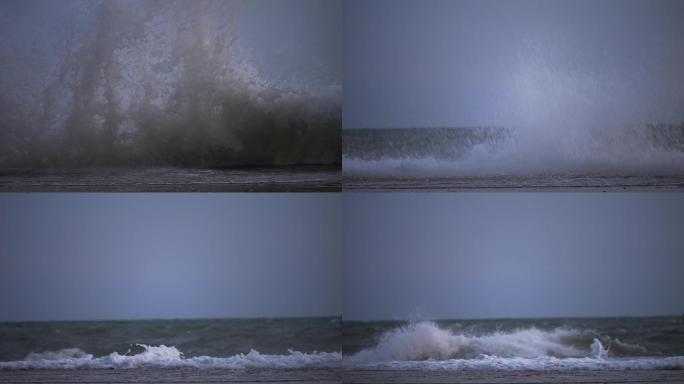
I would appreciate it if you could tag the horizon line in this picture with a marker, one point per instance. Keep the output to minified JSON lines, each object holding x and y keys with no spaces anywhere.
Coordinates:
{"x":515,"y":318}
{"x":174,"y":319}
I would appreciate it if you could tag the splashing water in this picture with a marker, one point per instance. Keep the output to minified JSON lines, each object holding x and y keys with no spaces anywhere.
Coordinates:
{"x":426,"y":345}
{"x":597,"y":349}
{"x":425,"y":340}
{"x":654,"y":149}
{"x":163,"y":356}
{"x":153,"y":83}
{"x":570,"y":88}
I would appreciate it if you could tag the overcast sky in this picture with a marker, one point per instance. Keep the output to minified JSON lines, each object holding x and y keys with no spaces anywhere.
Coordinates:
{"x":128,"y":256}
{"x":512,"y":63}
{"x":296,"y":41}
{"x":493,"y":255}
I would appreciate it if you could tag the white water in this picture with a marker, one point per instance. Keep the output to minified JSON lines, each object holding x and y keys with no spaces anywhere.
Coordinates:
{"x":424,"y":345}
{"x":527,"y":154}
{"x":169,"y":357}
{"x":148,"y":82}
{"x":533,"y":364}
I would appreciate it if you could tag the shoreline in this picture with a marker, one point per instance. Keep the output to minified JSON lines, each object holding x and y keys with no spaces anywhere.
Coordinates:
{"x":368,"y":376}
{"x":172,"y":375}
{"x":333,"y":375}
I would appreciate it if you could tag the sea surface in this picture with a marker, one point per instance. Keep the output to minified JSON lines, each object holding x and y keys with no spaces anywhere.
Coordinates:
{"x":209,"y":343}
{"x":305,"y":178}
{"x":652,"y":343}
{"x":493,"y":158}
{"x":518,"y":183}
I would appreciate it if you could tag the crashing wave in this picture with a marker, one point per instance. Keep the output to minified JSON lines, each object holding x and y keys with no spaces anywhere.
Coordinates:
{"x":653,"y":149}
{"x":163,"y":356}
{"x":157,"y":83}
{"x":426,"y":345}
{"x":545,"y":363}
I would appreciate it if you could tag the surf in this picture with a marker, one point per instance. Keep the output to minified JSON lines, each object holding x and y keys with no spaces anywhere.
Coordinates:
{"x":146,"y":83}
{"x":163,"y":356}
{"x":491,"y":151}
{"x":426,"y":345}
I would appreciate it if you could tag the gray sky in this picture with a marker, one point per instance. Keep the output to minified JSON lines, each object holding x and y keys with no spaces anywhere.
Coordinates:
{"x":512,"y":63}
{"x":495,"y":255}
{"x":121,"y":256}
{"x":296,"y":41}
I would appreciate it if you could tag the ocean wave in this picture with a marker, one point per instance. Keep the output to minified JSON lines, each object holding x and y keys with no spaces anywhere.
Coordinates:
{"x":526,"y":348}
{"x":163,"y":356}
{"x":426,"y":346}
{"x":138,"y":87}
{"x":655,"y":149}
{"x":481,"y":161}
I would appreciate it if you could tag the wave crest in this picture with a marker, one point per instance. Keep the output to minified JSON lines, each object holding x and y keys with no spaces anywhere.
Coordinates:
{"x":163,"y":356}
{"x":427,"y":341}
{"x":404,"y":152}
{"x":158,"y":83}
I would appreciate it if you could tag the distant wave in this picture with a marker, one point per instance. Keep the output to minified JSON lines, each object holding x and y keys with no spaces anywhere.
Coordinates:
{"x":425,"y":345}
{"x":169,"y":357}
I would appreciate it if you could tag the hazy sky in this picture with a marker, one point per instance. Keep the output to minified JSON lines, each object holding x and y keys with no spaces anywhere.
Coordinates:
{"x":120,"y":256}
{"x":298,"y":40}
{"x":512,"y":63}
{"x":512,"y":255}
{"x":287,"y":40}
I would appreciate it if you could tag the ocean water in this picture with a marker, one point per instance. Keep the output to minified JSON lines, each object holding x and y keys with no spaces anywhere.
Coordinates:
{"x":149,"y":83}
{"x":173,"y":179}
{"x":514,"y":344}
{"x":211,"y":343}
{"x":649,"y":150}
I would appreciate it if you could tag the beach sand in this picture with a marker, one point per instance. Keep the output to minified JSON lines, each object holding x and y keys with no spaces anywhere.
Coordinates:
{"x":269,"y":179}
{"x":171,"y":375}
{"x":515,"y":183}
{"x":481,"y":376}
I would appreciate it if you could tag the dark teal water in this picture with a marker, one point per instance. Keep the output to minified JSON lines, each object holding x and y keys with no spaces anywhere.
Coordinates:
{"x":208,"y":337}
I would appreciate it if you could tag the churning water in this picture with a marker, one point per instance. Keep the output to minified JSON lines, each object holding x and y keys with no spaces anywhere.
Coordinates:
{"x":504,"y":88}
{"x":210,"y":343}
{"x":539,"y":344}
{"x":655,"y":149}
{"x":129,"y":82}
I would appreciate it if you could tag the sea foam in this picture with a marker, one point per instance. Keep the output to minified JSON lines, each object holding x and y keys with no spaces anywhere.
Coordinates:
{"x":465,"y":152}
{"x":424,"y":345}
{"x":163,"y":356}
{"x":545,"y":363}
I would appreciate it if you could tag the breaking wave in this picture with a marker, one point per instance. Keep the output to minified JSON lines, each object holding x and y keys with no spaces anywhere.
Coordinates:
{"x":487,"y":151}
{"x":545,"y":363}
{"x":425,"y":345}
{"x":169,"y":357}
{"x":155,"y":83}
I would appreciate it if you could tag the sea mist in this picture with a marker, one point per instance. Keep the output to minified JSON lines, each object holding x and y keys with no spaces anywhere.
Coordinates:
{"x":145,"y":83}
